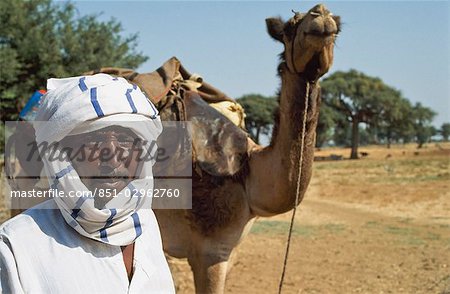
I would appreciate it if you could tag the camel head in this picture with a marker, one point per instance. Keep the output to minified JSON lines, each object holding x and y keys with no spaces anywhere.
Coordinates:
{"x":308,"y":39}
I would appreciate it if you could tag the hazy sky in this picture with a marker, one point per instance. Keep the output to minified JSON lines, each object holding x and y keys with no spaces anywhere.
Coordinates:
{"x":404,"y":43}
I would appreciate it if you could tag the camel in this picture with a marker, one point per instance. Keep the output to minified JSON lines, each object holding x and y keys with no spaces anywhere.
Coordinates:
{"x":225,"y":208}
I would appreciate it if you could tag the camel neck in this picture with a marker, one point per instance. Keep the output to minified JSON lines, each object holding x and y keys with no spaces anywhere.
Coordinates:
{"x":276,"y":167}
{"x":288,"y":125}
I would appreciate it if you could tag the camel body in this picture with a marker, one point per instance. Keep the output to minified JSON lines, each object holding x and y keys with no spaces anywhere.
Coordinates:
{"x":225,"y":208}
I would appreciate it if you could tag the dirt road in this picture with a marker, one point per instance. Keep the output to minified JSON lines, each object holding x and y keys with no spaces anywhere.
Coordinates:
{"x":340,"y":248}
{"x":377,"y":225}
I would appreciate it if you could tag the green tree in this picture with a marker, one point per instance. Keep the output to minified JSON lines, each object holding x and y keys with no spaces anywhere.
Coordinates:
{"x":364,"y":136}
{"x":394,"y":121}
{"x":40,"y":39}
{"x":358,"y":97}
{"x":342,"y":134}
{"x":445,"y":131}
{"x":422,"y":117}
{"x":326,"y":124}
{"x":259,"y":114}
{"x":373,"y":134}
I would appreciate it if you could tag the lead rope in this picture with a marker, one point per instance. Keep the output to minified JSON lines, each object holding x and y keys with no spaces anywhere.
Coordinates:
{"x":297,"y":194}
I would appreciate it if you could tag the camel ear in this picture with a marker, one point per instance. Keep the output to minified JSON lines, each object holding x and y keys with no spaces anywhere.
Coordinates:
{"x":275,"y":28}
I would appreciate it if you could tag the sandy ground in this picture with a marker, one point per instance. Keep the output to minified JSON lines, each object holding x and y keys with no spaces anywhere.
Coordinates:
{"x":377,"y":225}
{"x":340,"y":249}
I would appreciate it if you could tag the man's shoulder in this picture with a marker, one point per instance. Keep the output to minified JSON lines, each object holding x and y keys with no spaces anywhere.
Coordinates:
{"x":31,"y":219}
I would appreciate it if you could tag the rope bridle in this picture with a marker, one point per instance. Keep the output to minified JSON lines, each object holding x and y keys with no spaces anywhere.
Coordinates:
{"x":297,"y":193}
{"x":302,"y":143}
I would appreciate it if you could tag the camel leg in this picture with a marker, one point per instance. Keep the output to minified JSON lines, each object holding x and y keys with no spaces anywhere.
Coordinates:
{"x":232,"y":259}
{"x":209,"y":278}
{"x":210,"y":267}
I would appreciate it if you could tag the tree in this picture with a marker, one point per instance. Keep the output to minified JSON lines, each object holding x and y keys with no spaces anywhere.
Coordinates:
{"x":358,"y":97}
{"x":342,"y":135}
{"x":445,"y":131}
{"x":326,"y":124}
{"x":422,"y":117}
{"x":40,"y":39}
{"x":394,"y":121}
{"x":259,"y":114}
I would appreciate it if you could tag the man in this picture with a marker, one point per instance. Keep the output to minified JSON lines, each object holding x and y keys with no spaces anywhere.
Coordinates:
{"x":99,"y":234}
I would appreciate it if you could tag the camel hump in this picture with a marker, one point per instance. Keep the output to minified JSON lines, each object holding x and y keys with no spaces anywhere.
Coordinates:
{"x":169,"y":76}
{"x":219,"y":146}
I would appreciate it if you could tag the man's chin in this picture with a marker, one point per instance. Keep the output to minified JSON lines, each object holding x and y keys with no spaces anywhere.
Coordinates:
{"x":116,"y":185}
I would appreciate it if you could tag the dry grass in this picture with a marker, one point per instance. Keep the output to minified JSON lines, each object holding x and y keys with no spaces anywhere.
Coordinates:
{"x":375,"y":225}
{"x":395,"y":178}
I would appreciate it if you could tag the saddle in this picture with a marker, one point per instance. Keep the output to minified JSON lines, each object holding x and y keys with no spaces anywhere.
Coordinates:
{"x":217,"y":128}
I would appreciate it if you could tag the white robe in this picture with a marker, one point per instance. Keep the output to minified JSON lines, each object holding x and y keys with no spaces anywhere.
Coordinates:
{"x":40,"y":253}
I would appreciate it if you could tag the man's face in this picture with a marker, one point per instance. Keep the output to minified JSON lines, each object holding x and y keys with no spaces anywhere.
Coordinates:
{"x":111,"y":160}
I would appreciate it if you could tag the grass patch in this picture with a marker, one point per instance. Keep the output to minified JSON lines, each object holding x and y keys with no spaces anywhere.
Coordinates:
{"x":414,"y":241}
{"x":405,"y":220}
{"x":346,"y":164}
{"x":372,"y":224}
{"x":407,"y":236}
{"x":433,"y":236}
{"x":334,"y":228}
{"x":397,"y":171}
{"x":412,"y":236}
{"x":400,"y":231}
{"x":267,"y":227}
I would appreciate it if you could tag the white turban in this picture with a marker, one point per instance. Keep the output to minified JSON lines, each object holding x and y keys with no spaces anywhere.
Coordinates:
{"x":83,"y":104}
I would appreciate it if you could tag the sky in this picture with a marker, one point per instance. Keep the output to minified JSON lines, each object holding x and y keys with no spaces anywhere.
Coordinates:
{"x":405,"y":43}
